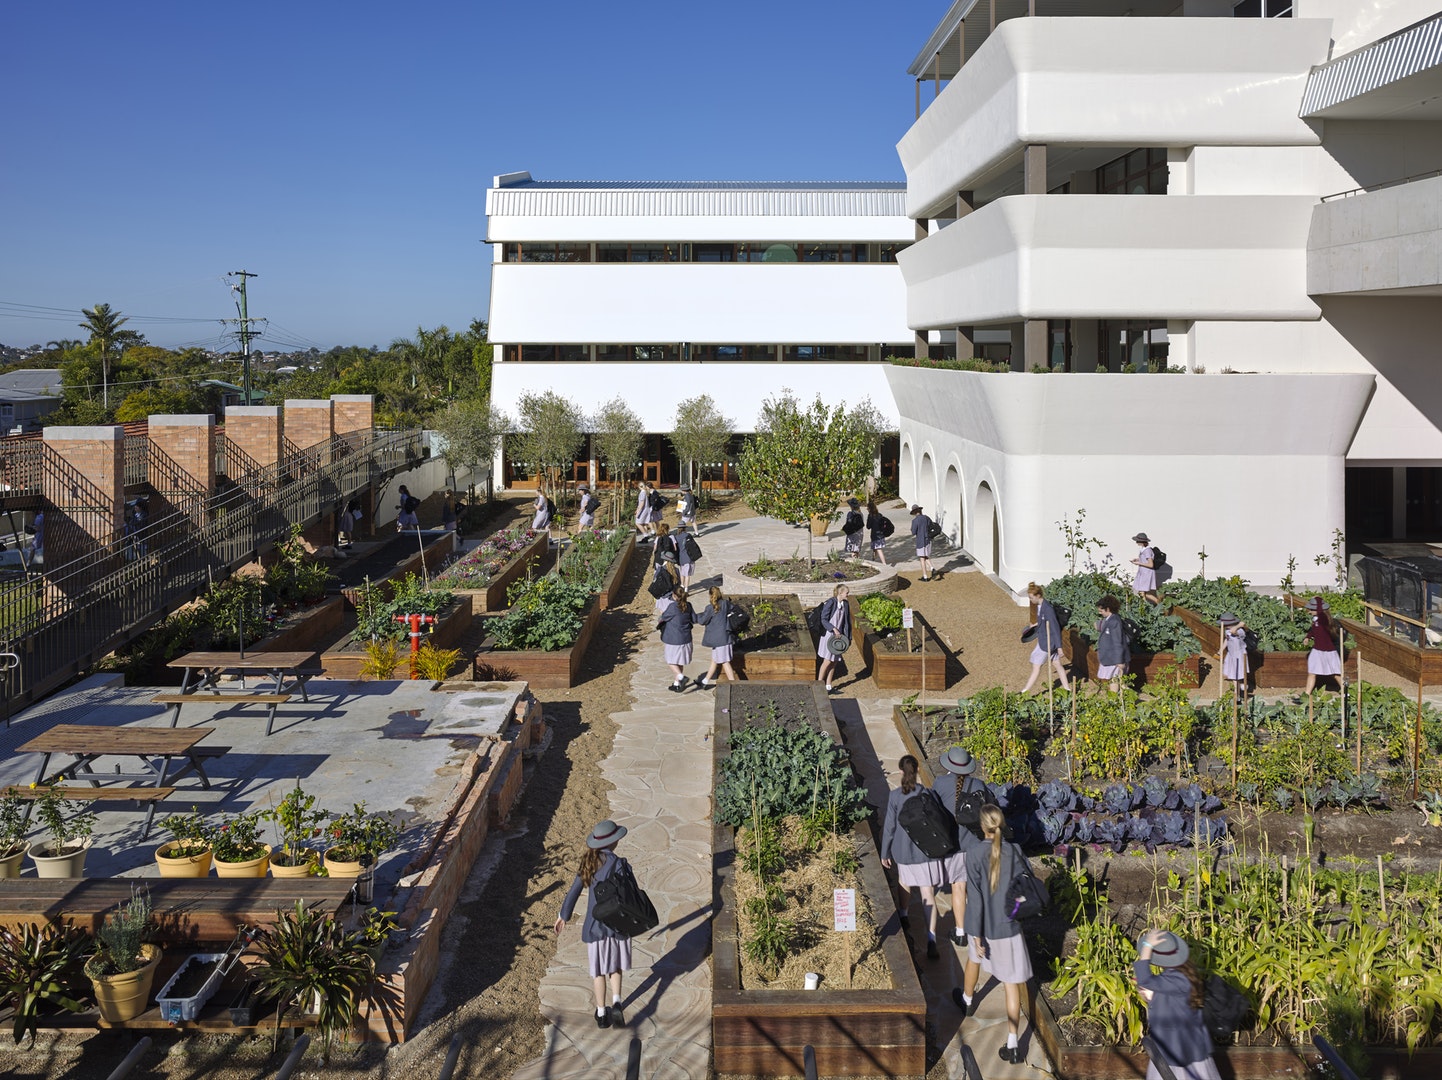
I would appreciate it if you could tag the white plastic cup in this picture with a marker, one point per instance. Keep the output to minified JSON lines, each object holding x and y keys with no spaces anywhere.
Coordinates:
{"x":813,"y":980}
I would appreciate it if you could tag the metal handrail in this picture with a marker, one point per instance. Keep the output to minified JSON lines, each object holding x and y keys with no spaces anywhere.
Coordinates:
{"x":1334,"y":1059}
{"x":292,"y":1061}
{"x":131,"y":1060}
{"x":1382,"y":186}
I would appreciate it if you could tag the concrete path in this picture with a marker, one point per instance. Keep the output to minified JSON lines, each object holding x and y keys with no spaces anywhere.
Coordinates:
{"x":661,"y":768}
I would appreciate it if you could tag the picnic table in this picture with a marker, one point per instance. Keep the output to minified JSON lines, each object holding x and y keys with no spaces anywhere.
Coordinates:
{"x":86,"y":742}
{"x":204,"y":669}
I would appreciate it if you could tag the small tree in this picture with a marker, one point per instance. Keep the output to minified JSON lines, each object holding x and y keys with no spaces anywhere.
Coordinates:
{"x":472,"y":431}
{"x":553,"y":429}
{"x":800,"y":461}
{"x":701,"y":433}
{"x":618,"y":434}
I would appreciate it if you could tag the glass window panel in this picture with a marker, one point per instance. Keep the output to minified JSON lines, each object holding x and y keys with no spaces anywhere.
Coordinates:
{"x":711,"y":253}
{"x":608,"y":253}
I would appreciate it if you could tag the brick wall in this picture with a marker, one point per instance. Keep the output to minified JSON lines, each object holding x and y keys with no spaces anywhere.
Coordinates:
{"x":83,"y":479}
{"x":256,"y":431}
{"x":353,"y":412}
{"x":308,"y":423}
{"x":184,"y":475}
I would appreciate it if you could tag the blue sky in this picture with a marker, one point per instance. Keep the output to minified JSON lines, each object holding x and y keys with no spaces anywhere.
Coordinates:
{"x":342,"y":150}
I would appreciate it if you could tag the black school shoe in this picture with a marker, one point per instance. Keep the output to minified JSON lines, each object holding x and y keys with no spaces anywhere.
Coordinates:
{"x":960,"y":1000}
{"x":603,"y":1018}
{"x":1010,"y":1054}
{"x":618,"y":1019}
{"x":680,"y":686}
{"x":932,"y":952}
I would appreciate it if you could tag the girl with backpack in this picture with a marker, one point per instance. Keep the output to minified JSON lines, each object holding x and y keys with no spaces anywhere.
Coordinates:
{"x":589,"y":506}
{"x":643,"y":512}
{"x":686,"y":507}
{"x":719,"y":638}
{"x":408,"y":506}
{"x":1047,"y":640}
{"x":542,"y":506}
{"x":958,"y":777}
{"x":607,"y":953}
{"x":877,"y":523}
{"x":913,"y":869}
{"x":836,"y":621}
{"x":1323,"y":659}
{"x":1174,"y":998}
{"x":921,"y":534}
{"x":1146,"y":562}
{"x":687,"y":552}
{"x":665,"y":545}
{"x":1114,"y":653}
{"x":852,"y":526}
{"x":675,"y":624}
{"x":997,"y":944}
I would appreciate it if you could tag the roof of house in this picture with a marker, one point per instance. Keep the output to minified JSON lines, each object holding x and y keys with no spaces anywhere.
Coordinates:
{"x":38,"y":381}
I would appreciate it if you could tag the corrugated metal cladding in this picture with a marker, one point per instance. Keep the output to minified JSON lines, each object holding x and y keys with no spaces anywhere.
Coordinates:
{"x":696,"y":202}
{"x":1404,"y":53}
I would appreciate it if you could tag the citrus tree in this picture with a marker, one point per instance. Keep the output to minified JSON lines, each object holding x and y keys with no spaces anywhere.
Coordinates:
{"x":801,"y":460}
{"x":701,"y":434}
{"x":617,"y":434}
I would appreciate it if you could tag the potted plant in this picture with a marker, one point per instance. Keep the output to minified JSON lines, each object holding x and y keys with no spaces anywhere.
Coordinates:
{"x":376,"y":927}
{"x":308,"y":960}
{"x":237,"y":848}
{"x":64,"y":855}
{"x":40,"y":965}
{"x":188,"y":855}
{"x":12,"y":835}
{"x":358,"y":839}
{"x":122,"y":969}
{"x":299,"y":820}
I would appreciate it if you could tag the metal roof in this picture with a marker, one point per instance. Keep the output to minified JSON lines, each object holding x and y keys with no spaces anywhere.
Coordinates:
{"x":518,"y":195}
{"x":1397,"y":74}
{"x":31,"y":380}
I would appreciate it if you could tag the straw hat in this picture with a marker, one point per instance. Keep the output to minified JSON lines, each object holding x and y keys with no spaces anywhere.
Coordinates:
{"x":605,"y":834}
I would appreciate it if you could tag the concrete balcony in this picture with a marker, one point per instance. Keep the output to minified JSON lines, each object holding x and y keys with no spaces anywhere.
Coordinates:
{"x":1384,"y":241}
{"x":1121,"y":82}
{"x":1233,"y":257}
{"x":807,"y":303}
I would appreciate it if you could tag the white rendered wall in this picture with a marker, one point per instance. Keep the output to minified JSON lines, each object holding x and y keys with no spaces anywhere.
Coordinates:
{"x":1360,"y":22}
{"x":727,"y":303}
{"x":1188,"y":460}
{"x":654,"y":390}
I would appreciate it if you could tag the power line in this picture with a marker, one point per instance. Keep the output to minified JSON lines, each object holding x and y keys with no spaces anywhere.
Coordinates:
{"x":41,"y":311}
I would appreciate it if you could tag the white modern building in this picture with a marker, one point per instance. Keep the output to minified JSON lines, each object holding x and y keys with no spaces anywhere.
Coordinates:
{"x":657,"y":292}
{"x":1247,"y":198}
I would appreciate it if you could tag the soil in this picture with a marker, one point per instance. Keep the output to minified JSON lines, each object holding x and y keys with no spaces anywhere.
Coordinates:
{"x":894,"y":641}
{"x":754,"y":701}
{"x":783,"y":629}
{"x":193,"y":979}
{"x":822,"y":569}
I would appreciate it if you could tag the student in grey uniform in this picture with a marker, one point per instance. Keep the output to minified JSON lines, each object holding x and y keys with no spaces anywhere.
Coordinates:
{"x":997,"y":945}
{"x":1114,"y":654}
{"x":406,"y":519}
{"x":1174,"y":998}
{"x":653,"y":498}
{"x":853,"y":527}
{"x":542,"y":506}
{"x":686,"y":507}
{"x":836,"y":619}
{"x":588,"y":509}
{"x":959,"y":773}
{"x":921,"y":533}
{"x":666,"y":571}
{"x":913,"y":869}
{"x":1234,"y":654}
{"x":665,"y":545}
{"x":718,"y":638}
{"x":687,"y":552}
{"x":448,"y":511}
{"x":874,"y":527}
{"x":1047,"y":643}
{"x":607,"y":953}
{"x":676,"y":624}
{"x":1145,"y":583}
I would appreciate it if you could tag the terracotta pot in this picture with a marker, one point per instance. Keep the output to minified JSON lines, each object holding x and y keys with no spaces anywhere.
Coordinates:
{"x":69,"y":865}
{"x":182,"y":866}
{"x":304,"y":870}
{"x":250,"y":868}
{"x":10,"y":864}
{"x":124,"y":997}
{"x":341,"y":868}
{"x":819,"y":524}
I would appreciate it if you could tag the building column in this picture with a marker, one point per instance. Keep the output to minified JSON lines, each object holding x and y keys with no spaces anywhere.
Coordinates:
{"x":310,"y":422}
{"x":1034,"y":169}
{"x":1037,"y":340}
{"x":182,"y":465}
{"x":1399,"y":501}
{"x":255,"y":431}
{"x":965,"y":345}
{"x":965,"y":204}
{"x":1018,"y":346}
{"x":923,"y":340}
{"x":83,"y":481}
{"x":1084,"y":354}
{"x":353,"y":414}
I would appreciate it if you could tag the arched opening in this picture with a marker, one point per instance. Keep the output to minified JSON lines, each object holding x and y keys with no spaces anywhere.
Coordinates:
{"x":926,"y":484}
{"x":949,"y":509}
{"x":906,"y":475}
{"x":986,"y":531}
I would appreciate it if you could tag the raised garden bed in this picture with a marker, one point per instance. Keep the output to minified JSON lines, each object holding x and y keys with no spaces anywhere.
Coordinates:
{"x":611,"y":583}
{"x":764,"y":1032}
{"x":345,"y":659}
{"x":305,"y":627}
{"x":1080,"y":653}
{"x":397,"y":559}
{"x":545,"y":670}
{"x":777,"y":646}
{"x":492,"y":596}
{"x":1397,"y":655}
{"x":1270,"y":670}
{"x":894,"y":666}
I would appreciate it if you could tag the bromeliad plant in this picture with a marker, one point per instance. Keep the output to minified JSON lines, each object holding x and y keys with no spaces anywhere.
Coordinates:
{"x":41,"y":966}
{"x":307,"y":958}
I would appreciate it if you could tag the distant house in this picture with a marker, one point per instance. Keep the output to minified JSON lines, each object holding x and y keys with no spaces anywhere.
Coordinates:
{"x":27,"y":396}
{"x":230,"y":394}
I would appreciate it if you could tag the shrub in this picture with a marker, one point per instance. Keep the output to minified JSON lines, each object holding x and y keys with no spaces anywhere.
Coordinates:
{"x":121,"y":936}
{"x":970,"y":363}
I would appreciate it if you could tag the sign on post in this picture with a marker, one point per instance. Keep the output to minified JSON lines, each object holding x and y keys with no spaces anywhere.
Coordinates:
{"x":843,"y":909}
{"x":908,"y":617}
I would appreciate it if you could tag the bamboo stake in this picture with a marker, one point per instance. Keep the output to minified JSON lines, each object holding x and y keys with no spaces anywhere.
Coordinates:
{"x":1417,"y":742}
{"x":1381,"y":886}
{"x":1071,"y":735}
{"x":1359,"y":712}
{"x":1342,"y":652}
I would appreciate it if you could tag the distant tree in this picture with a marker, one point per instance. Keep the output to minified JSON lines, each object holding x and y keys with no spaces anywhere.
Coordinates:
{"x":617,"y":434}
{"x":552,"y":430}
{"x":802,"y":460}
{"x":169,"y":398}
{"x":104,"y":325}
{"x":424,"y":355}
{"x":472,"y":431}
{"x":701,"y":434}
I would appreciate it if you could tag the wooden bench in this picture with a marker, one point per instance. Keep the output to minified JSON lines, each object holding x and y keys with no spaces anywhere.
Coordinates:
{"x":177,"y":701}
{"x":149,"y":795}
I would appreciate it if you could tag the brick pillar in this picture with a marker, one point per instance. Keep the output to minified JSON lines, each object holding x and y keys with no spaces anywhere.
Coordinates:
{"x":353,"y":413}
{"x":309,"y":421}
{"x":188,"y":442}
{"x":256,"y":432}
{"x":83,"y":480}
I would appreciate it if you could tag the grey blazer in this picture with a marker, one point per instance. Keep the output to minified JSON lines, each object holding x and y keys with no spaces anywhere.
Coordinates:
{"x":895,"y":844}
{"x":988,"y":913}
{"x":1112,"y":642}
{"x":676,"y":625}
{"x":718,"y":634}
{"x":1048,"y":629}
{"x":591,"y":930}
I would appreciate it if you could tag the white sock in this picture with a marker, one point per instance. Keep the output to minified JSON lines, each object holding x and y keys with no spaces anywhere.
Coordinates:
{"x":601,"y":1010}
{"x":1011,"y":1040}
{"x":966,"y":998}
{"x":828,"y":687}
{"x":616,"y":999}
{"x":678,"y":678}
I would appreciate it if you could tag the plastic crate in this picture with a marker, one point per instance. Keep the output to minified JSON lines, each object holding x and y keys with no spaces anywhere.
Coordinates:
{"x":173,"y":1010}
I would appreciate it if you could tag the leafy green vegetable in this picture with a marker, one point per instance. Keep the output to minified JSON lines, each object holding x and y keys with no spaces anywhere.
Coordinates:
{"x":1276,"y":626}
{"x":545,"y":614}
{"x":1153,"y":630}
{"x":882,"y":612}
{"x":785,"y":769}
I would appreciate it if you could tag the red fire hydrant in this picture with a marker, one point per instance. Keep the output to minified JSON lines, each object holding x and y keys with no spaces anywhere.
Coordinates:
{"x":416,"y":621}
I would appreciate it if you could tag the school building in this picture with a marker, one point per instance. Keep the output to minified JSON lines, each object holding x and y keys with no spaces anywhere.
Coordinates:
{"x":1213,"y":237}
{"x":657,"y":292}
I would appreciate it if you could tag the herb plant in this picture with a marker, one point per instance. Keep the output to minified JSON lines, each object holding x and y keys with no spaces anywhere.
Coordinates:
{"x":192,"y":834}
{"x":12,"y":824}
{"x":121,"y":937}
{"x":361,"y":836}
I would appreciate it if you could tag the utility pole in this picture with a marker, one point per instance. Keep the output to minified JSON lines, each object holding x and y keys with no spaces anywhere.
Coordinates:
{"x":245,"y":332}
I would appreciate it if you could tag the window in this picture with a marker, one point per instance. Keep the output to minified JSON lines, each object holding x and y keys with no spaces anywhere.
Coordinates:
{"x":547,"y":253}
{"x":1131,"y":342}
{"x":563,"y":353}
{"x":1263,"y":9}
{"x":639,"y":253}
{"x":826,"y":352}
{"x":732,"y":353}
{"x":633,"y":353}
{"x":1141,"y":172}
{"x":851,"y":253}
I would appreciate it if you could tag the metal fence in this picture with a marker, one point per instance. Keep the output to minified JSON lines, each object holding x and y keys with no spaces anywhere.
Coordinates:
{"x":60,"y":623}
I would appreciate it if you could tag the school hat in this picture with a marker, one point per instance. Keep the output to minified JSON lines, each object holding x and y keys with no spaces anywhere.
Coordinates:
{"x":605,"y":834}
{"x":1316,"y":604}
{"x":958,"y":760}
{"x":854,"y":503}
{"x":668,"y":556}
{"x":1229,"y":619}
{"x":1141,"y":538}
{"x":915,"y":508}
{"x":1170,"y":952}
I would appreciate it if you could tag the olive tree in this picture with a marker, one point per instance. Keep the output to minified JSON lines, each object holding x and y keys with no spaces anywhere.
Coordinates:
{"x":471,"y":431}
{"x":701,"y":434}
{"x":617,"y":434}
{"x":552,"y":430}
{"x":802,"y":460}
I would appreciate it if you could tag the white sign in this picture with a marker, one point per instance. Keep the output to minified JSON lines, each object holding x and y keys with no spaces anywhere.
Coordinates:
{"x":908,"y":617}
{"x":843,"y":908}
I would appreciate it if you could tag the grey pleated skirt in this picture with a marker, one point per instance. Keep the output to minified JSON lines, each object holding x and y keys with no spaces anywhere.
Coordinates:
{"x":1009,"y":961}
{"x":609,"y":955}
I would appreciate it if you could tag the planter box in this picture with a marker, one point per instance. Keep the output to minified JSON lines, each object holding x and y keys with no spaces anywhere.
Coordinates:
{"x":493,"y":596}
{"x":311,"y":628}
{"x":764,"y":1032}
{"x":1270,"y":670}
{"x":900,"y":670}
{"x":1397,"y":655}
{"x":556,"y":670}
{"x":786,"y":664}
{"x":433,"y":555}
{"x":1145,"y":666}
{"x":606,"y":598}
{"x":345,"y":663}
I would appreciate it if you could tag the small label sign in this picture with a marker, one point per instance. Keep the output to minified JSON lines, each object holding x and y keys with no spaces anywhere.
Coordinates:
{"x":843,"y":909}
{"x":908,"y":618}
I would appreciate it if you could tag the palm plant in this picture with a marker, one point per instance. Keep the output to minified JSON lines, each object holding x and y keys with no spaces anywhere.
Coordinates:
{"x":104,"y":325}
{"x":307,"y":958}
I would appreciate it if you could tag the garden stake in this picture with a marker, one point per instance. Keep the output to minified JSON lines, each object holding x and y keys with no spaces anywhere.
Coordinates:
{"x":923,"y":675}
{"x":1359,"y":712}
{"x":1221,"y":652}
{"x":1235,"y":724}
{"x":1417,"y":742}
{"x":1342,"y":652}
{"x":1381,"y":886}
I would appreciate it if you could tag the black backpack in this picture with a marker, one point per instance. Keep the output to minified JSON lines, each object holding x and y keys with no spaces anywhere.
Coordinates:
{"x":887,"y":526}
{"x":621,"y":905}
{"x":969,"y":804}
{"x":661,"y":585}
{"x":1027,"y":894}
{"x":411,"y":504}
{"x":693,"y":549}
{"x":550,"y":509}
{"x":929,"y":825}
{"x":738,"y":619}
{"x":933,"y":530}
{"x":1224,"y":1008}
{"x":1159,"y":557}
{"x":654,"y":500}
{"x":853,"y":523}
{"x":816,"y":619}
{"x":592,"y":504}
{"x":688,"y":504}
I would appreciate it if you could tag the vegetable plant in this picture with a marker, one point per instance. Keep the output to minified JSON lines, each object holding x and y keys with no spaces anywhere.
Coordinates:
{"x":546,"y":614}
{"x":787,"y":768}
{"x":882,"y":612}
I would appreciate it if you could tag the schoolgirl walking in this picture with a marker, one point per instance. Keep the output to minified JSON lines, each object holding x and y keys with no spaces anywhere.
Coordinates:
{"x":914,"y":870}
{"x":836,"y":622}
{"x":1114,"y":653}
{"x":664,"y":545}
{"x":676,"y":625}
{"x":718,"y":637}
{"x":879,"y":526}
{"x":1323,"y":658}
{"x":687,"y":554}
{"x":643,"y":511}
{"x":852,"y":527}
{"x":1174,"y":997}
{"x":1046,"y":647}
{"x":607,"y":953}
{"x":543,"y":507}
{"x":958,"y":776}
{"x":1234,"y":654}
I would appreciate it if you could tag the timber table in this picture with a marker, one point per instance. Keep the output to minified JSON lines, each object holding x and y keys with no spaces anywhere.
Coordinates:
{"x":204,"y":669}
{"x":86,"y":742}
